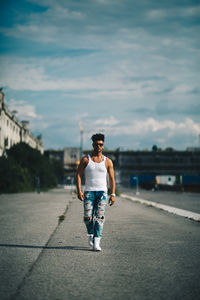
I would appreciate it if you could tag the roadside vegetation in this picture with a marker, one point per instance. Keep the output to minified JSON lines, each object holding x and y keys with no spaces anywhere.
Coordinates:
{"x":25,"y":169}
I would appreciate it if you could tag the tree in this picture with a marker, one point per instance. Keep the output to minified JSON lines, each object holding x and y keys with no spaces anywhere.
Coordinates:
{"x":154,"y":148}
{"x":18,"y":172}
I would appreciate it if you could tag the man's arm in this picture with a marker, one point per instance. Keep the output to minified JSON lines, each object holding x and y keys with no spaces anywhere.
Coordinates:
{"x":111,"y":181}
{"x":79,"y":173}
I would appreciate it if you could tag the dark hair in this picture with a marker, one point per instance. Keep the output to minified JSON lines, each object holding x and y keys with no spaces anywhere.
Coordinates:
{"x":98,"y":137}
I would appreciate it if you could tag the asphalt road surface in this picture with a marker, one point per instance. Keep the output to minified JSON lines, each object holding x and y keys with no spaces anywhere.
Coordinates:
{"x":146,"y":253}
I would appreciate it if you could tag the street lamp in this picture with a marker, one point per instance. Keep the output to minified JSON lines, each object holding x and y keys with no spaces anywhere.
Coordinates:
{"x":137,"y":185}
{"x":82,"y":131}
{"x":81,"y":139}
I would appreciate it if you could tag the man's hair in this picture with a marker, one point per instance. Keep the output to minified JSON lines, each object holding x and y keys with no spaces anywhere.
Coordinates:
{"x":98,"y":137}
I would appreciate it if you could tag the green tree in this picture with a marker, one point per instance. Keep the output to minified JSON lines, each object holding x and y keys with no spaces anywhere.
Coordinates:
{"x":154,"y":148}
{"x":21,"y":167}
{"x":13,"y":178}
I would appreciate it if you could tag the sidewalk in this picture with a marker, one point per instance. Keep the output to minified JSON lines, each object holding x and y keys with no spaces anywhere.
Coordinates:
{"x":171,"y":209}
{"x":186,"y":201}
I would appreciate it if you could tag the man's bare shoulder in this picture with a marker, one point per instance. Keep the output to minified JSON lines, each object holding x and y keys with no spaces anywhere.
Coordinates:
{"x":109,"y":162}
{"x":84,"y":160}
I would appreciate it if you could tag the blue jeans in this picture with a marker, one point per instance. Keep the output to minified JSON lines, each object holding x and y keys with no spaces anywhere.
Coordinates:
{"x":94,"y":211}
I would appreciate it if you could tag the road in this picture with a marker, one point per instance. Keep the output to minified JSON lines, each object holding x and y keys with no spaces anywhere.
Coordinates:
{"x":146,"y":253}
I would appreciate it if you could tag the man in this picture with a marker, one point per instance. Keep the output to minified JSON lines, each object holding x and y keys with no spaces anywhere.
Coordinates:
{"x":95,"y":168}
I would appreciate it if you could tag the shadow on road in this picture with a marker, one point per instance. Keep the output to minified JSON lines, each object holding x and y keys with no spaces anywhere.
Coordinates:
{"x":47,"y":247}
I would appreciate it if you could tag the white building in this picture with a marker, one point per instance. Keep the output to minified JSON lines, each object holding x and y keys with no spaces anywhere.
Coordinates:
{"x":12,"y":131}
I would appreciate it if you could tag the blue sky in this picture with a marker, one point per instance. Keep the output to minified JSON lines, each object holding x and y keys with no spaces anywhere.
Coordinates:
{"x":127,"y":68}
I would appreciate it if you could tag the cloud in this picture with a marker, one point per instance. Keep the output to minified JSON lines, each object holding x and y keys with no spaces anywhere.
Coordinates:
{"x":185,"y":89}
{"x":24,"y":110}
{"x":148,"y":126}
{"x":110,"y":121}
{"x":113,"y":83}
{"x":145,"y":133}
{"x":34,"y":76}
{"x":33,"y":32}
{"x":130,"y":67}
{"x":47,"y":25}
{"x":93,"y":21}
{"x":173,"y":12}
{"x":81,"y":116}
{"x":57,"y":12}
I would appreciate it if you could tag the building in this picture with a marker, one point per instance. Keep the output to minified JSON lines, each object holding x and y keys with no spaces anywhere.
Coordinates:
{"x":158,"y":163}
{"x":55,"y":154}
{"x":12,"y":131}
{"x":69,"y":157}
{"x":146,"y":166}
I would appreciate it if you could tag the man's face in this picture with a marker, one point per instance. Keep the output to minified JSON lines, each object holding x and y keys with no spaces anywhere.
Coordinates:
{"x":98,"y":145}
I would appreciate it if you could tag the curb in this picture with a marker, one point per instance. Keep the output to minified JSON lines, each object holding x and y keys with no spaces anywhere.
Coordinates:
{"x":173,"y":210}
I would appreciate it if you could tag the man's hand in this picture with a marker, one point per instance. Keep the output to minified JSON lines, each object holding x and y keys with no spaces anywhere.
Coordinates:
{"x":111,"y":200}
{"x":80,"y":196}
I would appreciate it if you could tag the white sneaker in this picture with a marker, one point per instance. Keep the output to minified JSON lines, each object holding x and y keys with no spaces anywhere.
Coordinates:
{"x":91,"y":240}
{"x":96,"y":246}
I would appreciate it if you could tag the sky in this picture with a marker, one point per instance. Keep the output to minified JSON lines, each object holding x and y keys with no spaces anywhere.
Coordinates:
{"x":127,"y":68}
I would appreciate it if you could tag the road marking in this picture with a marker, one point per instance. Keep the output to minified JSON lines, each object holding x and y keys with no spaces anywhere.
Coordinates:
{"x":174,"y":210}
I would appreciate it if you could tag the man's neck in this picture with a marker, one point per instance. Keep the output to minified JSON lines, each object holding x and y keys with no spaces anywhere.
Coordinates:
{"x":97,"y":153}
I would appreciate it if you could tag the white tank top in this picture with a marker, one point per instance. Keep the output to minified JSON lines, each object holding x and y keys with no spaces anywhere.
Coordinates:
{"x":96,"y":176}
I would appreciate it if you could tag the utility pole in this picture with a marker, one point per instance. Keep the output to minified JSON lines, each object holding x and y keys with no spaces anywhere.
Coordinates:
{"x":81,"y":138}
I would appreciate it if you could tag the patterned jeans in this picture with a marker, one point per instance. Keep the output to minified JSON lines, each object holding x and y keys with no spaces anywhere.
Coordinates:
{"x":94,"y":211}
